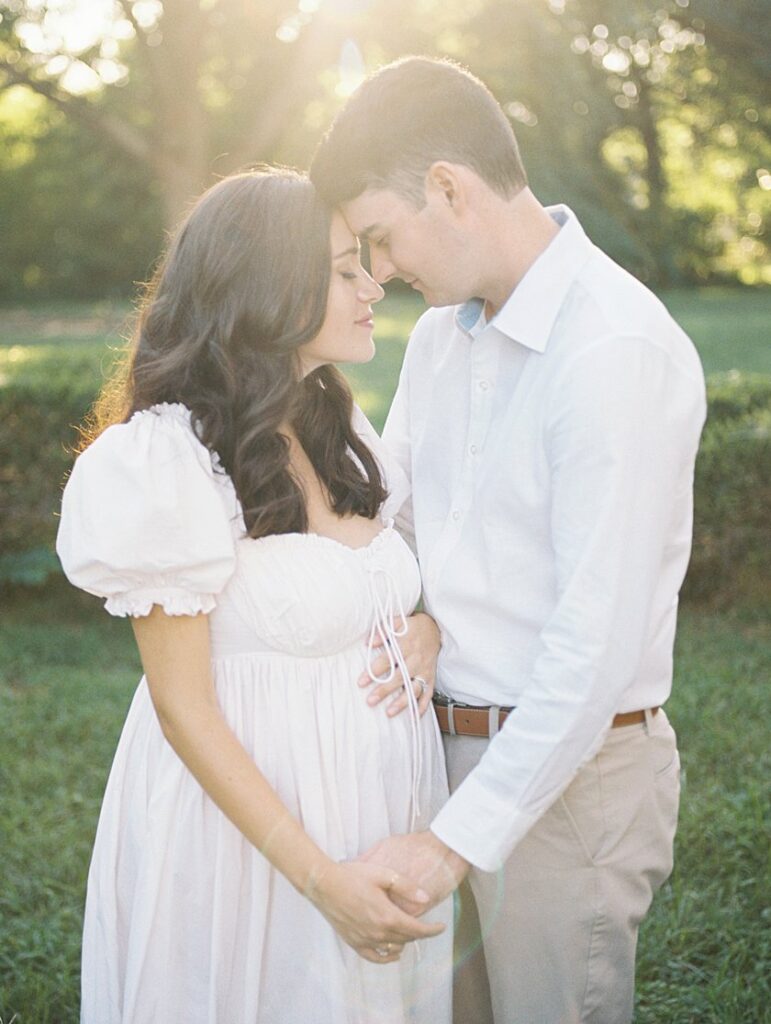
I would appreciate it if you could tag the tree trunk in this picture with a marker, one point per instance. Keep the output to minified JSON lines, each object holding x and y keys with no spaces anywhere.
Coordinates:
{"x":665,"y":269}
{"x":181,"y":127}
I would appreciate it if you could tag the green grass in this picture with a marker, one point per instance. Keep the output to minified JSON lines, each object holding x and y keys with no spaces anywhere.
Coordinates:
{"x":67,"y":672}
{"x":66,"y":675}
{"x":730,"y":326}
{"x":705,"y":949}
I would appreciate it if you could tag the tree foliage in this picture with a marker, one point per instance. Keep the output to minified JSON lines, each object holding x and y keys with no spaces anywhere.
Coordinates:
{"x":645,"y":116}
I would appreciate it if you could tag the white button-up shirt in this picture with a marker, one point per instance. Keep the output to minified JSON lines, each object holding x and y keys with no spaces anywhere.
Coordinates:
{"x":551,"y":454}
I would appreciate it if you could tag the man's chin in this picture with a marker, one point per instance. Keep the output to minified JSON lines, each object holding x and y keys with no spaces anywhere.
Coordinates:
{"x":436,"y":299}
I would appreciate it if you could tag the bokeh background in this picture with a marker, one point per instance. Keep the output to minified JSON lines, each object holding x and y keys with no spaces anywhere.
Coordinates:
{"x":650,"y":118}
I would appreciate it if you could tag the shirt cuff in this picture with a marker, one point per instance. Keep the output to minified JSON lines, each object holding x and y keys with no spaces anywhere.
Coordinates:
{"x":480,"y":827}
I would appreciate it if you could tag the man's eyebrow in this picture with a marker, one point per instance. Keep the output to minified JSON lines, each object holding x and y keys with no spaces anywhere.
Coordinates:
{"x":370,"y":230}
{"x":353,"y":251}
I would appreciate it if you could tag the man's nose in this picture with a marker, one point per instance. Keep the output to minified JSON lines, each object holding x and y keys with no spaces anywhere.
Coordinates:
{"x":382,"y":268}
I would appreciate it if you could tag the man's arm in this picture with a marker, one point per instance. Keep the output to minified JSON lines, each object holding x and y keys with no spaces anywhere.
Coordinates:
{"x":622,"y":442}
{"x":623,"y":436}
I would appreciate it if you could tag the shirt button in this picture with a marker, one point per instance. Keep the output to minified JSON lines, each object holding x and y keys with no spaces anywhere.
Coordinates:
{"x":473,"y":449}
{"x":483,"y":385}
{"x":456,"y":515}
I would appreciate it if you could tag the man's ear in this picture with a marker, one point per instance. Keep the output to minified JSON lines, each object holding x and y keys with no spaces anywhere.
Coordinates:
{"x":446,"y":184}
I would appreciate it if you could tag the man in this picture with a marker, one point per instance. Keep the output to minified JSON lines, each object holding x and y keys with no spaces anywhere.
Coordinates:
{"x":548,"y":414}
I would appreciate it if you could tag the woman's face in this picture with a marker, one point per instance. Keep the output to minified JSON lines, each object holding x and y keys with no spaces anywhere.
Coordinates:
{"x":346,"y":334}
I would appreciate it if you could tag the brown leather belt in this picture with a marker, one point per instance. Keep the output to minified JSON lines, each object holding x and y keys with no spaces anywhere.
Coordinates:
{"x":472,"y":721}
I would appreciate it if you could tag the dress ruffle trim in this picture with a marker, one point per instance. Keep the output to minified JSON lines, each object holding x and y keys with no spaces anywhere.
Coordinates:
{"x":139,"y":603}
{"x":176,"y":412}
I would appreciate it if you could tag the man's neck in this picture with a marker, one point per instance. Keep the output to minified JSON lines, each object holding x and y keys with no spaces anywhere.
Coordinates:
{"x":520,"y":230}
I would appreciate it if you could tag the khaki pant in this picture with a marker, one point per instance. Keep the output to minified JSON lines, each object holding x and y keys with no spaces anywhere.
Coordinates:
{"x":559,"y":922}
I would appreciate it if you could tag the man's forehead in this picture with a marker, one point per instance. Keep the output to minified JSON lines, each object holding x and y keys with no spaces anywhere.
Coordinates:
{"x":371,"y":211}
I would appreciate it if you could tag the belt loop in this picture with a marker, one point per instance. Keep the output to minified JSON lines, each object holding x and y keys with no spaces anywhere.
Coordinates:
{"x":493,"y":720}
{"x":451,"y":718}
{"x":648,"y":719}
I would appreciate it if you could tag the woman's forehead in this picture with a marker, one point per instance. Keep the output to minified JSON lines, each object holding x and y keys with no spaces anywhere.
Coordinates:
{"x":341,"y":236}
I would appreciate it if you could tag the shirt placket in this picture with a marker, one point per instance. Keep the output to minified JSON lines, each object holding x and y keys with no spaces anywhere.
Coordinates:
{"x":481,"y":384}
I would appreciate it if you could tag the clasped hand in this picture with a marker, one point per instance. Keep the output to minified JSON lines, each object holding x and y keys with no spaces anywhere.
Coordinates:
{"x":426,"y":860}
{"x":363,"y":903}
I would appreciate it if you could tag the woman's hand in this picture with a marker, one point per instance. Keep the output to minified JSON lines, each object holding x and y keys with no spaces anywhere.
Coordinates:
{"x":355,"y":898}
{"x":420,"y":649}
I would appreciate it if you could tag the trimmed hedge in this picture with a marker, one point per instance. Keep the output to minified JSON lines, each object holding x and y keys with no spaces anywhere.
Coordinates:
{"x":43,"y":398}
{"x":41,"y":407}
{"x":731,"y":557}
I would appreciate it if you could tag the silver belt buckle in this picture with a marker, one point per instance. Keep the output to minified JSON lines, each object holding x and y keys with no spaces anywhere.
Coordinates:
{"x":447,"y":702}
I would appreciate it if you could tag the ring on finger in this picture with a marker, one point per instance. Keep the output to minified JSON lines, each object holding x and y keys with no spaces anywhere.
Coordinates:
{"x":422,"y":683}
{"x":384,"y":950}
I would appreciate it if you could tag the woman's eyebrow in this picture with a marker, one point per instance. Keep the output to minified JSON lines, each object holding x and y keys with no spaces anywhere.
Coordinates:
{"x":353,"y":251}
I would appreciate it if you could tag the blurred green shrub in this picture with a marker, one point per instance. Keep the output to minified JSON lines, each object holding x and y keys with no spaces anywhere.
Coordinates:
{"x":44,"y":395}
{"x":731,"y":556}
{"x":43,"y":401}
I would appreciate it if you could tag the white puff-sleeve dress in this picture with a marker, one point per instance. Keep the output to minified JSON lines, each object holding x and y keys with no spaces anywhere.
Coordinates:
{"x":185,"y":921}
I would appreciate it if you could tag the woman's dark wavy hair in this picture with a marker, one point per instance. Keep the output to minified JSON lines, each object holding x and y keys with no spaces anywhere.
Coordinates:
{"x":243,"y":285}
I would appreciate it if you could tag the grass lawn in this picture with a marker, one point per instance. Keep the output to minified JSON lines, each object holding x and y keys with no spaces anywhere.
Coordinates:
{"x":67,"y":672}
{"x":730,"y":326}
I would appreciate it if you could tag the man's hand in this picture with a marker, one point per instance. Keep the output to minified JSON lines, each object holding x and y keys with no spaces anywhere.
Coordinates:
{"x":424,"y":858}
{"x":419,"y":645}
{"x":363,"y":902}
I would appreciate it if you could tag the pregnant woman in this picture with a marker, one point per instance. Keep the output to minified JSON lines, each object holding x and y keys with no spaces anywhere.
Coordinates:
{"x":237,"y":506}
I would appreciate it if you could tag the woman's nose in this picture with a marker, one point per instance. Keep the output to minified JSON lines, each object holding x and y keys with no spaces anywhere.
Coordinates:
{"x":372,"y":291}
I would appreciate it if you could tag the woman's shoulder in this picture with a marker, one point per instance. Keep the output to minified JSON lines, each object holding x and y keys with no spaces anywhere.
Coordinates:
{"x":142,"y":515}
{"x":367,"y":433}
{"x":154,"y":435}
{"x":153,"y":463}
{"x":394,"y":478}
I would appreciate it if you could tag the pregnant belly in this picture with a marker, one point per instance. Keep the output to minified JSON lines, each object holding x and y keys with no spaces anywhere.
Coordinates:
{"x":343,"y":768}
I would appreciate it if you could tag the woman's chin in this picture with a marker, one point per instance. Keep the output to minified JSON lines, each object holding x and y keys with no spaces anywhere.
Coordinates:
{"x":362,"y":353}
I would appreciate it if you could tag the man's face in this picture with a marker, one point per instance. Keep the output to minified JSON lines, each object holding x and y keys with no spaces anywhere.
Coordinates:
{"x":423,"y":247}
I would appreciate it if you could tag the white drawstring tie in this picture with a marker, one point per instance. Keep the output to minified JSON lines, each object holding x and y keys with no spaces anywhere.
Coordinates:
{"x":388,"y":607}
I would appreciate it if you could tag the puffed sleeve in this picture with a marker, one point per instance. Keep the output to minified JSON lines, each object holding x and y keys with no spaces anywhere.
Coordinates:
{"x":394,"y":477}
{"x":144,"y":521}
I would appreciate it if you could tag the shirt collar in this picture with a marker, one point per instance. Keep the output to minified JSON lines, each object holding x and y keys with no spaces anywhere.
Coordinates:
{"x":529,"y":313}
{"x":469,"y":315}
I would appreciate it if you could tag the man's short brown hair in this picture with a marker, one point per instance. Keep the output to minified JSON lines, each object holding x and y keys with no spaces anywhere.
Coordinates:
{"x":405,"y":117}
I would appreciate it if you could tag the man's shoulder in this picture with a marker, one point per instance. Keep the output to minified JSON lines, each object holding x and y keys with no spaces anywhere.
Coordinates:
{"x":612,"y":296}
{"x":607,"y":301}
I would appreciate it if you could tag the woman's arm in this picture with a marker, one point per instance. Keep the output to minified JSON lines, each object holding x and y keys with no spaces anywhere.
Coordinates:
{"x":354,"y":897}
